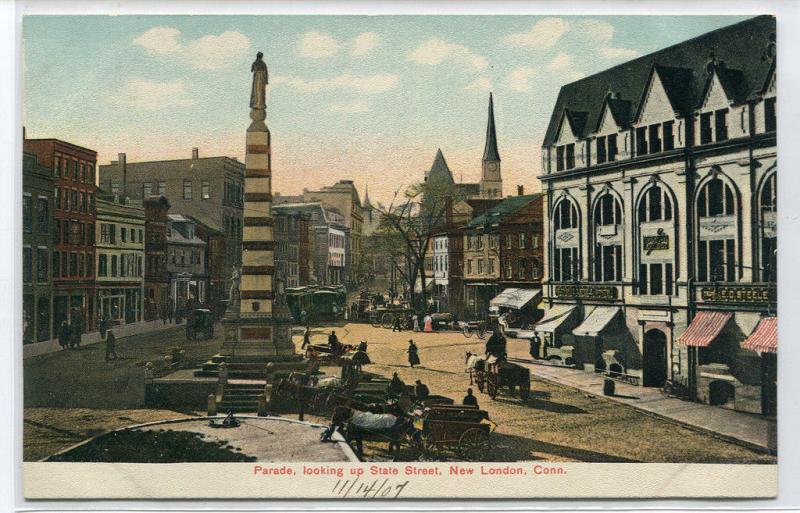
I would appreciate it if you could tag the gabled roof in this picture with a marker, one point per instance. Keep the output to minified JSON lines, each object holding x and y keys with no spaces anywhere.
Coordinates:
{"x":741,"y":46}
{"x":620,"y":111}
{"x":504,"y":208}
{"x":576,"y":120}
{"x":676,"y":83}
{"x":490,"y":152}
{"x":439,"y":171}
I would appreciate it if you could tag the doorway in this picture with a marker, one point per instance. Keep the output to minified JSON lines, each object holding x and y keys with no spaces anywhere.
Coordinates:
{"x":655,"y":358}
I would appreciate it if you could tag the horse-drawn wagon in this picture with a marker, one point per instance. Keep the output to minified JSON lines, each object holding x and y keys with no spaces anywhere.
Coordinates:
{"x":491,"y":374}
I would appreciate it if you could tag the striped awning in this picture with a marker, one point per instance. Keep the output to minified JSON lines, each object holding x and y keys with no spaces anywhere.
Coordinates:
{"x":764,"y":338}
{"x":705,"y":327}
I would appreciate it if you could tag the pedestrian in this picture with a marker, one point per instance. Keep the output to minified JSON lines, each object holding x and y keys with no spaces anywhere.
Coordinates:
{"x":77,"y":329}
{"x":502,"y":321}
{"x":396,"y":326}
{"x":111,"y":346}
{"x":496,"y":345}
{"x":333,"y":342}
{"x":170,"y":312}
{"x":536,"y":346}
{"x":164,"y":313}
{"x":306,"y":338}
{"x":421,"y":391}
{"x":413,"y":354}
{"x":428,"y":323}
{"x":415,"y":321}
{"x":63,"y":335}
{"x":469,"y":399}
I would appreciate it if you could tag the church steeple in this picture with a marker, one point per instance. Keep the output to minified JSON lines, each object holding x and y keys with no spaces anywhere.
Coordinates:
{"x":366,"y":204}
{"x":491,"y":182}
{"x":490,"y":152}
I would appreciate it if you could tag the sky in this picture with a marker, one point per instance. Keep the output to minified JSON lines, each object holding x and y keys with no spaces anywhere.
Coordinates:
{"x":366,"y":98}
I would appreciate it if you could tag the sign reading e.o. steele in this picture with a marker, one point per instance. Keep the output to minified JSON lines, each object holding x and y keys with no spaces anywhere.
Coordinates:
{"x":586,"y":291}
{"x":752,"y":295}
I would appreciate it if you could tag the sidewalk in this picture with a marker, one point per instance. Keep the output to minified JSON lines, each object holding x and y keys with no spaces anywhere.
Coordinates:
{"x":125,"y":330}
{"x":742,"y":428}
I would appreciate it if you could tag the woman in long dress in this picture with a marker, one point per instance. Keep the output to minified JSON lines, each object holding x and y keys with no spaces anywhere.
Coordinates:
{"x":428,"y":323}
{"x":413,"y":354}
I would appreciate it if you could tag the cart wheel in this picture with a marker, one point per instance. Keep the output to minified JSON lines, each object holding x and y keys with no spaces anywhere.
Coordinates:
{"x":480,"y":380}
{"x":387,"y":321}
{"x":466,"y":331}
{"x":426,"y":448}
{"x":525,"y":390}
{"x":376,"y":321}
{"x":492,"y":385}
{"x":473,"y":445}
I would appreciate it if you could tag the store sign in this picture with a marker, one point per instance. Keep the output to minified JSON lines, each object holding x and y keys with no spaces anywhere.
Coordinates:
{"x":743,"y":295}
{"x":657,"y":242}
{"x":586,"y":292}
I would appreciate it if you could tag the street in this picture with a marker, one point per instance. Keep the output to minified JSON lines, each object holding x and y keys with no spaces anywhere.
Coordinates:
{"x":71,"y":395}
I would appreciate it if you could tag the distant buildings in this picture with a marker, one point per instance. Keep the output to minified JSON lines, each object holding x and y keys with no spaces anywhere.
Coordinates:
{"x":186,"y":263}
{"x":157,"y":279}
{"x":292,"y":248}
{"x":209,"y":189}
{"x":37,"y":241}
{"x":120,"y":262}
{"x":660,"y":177}
{"x":74,"y":190}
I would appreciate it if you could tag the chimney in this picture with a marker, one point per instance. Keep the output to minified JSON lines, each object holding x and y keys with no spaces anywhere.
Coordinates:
{"x":23,"y":133}
{"x":520,"y":190}
{"x":123,"y":163}
{"x":195,"y":154}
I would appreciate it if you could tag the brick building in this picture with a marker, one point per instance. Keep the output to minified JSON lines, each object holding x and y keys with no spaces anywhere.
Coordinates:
{"x":74,"y":191}
{"x":156,"y":279}
{"x":37,"y":240}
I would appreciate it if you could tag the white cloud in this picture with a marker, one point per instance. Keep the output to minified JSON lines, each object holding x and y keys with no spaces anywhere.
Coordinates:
{"x":520,"y":78}
{"x":544,"y":34}
{"x":481,"y":84}
{"x":600,"y":34}
{"x":610,"y":52}
{"x":436,"y":51}
{"x":149,"y":95}
{"x":350,"y":107}
{"x":364,"y":43}
{"x":560,"y":62}
{"x":596,"y":31}
{"x":368,"y":84}
{"x":207,"y":52}
{"x":316,"y":45}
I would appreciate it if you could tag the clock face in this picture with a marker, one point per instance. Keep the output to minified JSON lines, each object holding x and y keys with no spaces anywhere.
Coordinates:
{"x":492,"y":167}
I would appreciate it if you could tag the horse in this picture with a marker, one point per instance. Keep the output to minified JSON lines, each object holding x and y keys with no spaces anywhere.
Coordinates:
{"x":476,"y":366}
{"x":357,"y":425}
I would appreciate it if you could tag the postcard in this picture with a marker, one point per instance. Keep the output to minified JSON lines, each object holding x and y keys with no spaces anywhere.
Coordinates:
{"x":388,"y":257}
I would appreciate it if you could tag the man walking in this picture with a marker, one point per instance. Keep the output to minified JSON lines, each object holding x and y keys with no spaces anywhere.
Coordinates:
{"x":469,"y":399}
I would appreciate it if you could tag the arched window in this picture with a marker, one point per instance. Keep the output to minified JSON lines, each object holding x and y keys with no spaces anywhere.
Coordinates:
{"x":716,"y":248}
{"x":768,"y":228}
{"x":657,"y":269}
{"x":608,"y":239}
{"x":566,"y":241}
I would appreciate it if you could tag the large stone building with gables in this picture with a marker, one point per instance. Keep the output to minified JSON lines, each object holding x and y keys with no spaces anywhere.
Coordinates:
{"x":659,"y":178}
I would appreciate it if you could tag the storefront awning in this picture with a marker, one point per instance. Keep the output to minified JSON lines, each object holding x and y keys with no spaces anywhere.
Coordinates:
{"x":596,"y":321}
{"x":764,"y":338}
{"x":705,"y":327}
{"x":515,"y":298}
{"x":554,"y":318}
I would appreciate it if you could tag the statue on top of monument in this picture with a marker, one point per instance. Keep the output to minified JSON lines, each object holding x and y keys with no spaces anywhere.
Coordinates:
{"x":258,"y":95}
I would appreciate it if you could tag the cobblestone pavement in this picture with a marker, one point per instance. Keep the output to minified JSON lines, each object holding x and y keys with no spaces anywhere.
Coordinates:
{"x":558,"y":423}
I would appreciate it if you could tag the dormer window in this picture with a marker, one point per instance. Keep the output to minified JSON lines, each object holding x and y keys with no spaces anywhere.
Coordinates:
{"x":601,"y":150}
{"x":654,"y":140}
{"x":705,"y":128}
{"x":641,"y":141}
{"x":669,"y":137}
{"x":612,"y":147}
{"x":721,"y":125}
{"x":770,"y":120}
{"x":560,"y":158}
{"x":570,"y":156}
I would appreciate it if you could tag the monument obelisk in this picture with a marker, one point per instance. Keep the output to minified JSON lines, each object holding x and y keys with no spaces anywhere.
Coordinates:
{"x":258,"y":329}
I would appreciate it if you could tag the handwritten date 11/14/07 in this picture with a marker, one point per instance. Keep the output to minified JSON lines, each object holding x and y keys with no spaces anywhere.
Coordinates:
{"x":377,"y":489}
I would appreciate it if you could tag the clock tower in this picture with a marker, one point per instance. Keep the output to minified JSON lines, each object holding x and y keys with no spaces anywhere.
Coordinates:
{"x":491,"y":181}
